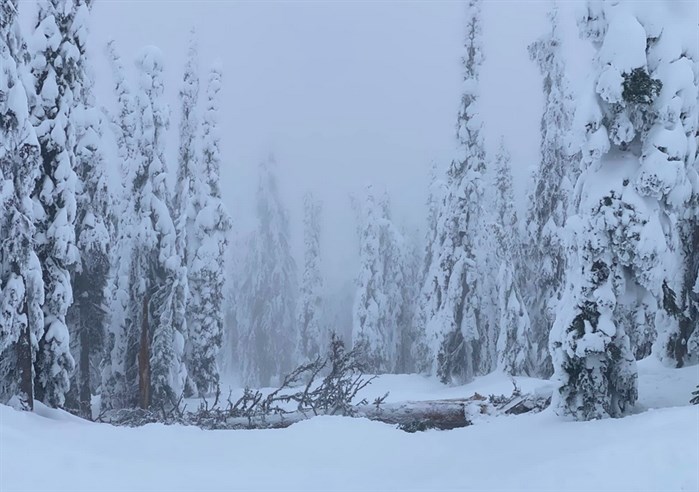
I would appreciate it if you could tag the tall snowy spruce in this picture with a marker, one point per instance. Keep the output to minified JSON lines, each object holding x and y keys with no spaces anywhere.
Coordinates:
{"x":116,"y":371}
{"x":207,"y":245}
{"x":459,"y":324}
{"x":21,"y":282}
{"x":369,"y":329}
{"x":87,"y":315}
{"x":145,"y":363}
{"x":312,"y":337}
{"x":266,"y":321}
{"x":55,"y":66}
{"x":420,"y":354}
{"x":399,"y":263}
{"x":679,"y":345}
{"x":188,"y":197}
{"x":637,"y":122}
{"x":514,"y":341}
{"x":550,"y":198}
{"x":408,"y":275}
{"x":380,"y":304}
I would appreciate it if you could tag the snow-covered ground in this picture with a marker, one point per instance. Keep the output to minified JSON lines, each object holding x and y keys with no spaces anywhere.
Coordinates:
{"x":656,"y":449}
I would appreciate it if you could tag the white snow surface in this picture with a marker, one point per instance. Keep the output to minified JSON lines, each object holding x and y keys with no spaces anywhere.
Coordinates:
{"x":655,"y":449}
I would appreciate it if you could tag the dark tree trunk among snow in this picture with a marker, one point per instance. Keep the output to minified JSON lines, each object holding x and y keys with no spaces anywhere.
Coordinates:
{"x":144,"y":358}
{"x":25,"y":364}
{"x":85,"y":388}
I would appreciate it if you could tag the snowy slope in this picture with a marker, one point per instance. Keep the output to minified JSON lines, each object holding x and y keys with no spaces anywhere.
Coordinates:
{"x":653,"y":450}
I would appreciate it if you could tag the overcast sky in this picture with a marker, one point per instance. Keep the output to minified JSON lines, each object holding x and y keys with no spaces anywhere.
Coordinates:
{"x":343,"y":93}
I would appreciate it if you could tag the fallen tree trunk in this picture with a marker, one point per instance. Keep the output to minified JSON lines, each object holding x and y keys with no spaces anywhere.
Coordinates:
{"x":410,"y":416}
{"x":414,"y":416}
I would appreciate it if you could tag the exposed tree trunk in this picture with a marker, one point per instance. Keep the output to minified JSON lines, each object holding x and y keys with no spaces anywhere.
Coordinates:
{"x":84,"y":391}
{"x":144,"y":359}
{"x":25,"y":363}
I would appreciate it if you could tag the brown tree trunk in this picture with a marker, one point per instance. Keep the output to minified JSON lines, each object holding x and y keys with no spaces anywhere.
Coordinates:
{"x":144,"y":359}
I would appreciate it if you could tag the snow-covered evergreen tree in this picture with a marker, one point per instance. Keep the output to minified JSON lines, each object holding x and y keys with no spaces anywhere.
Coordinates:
{"x":550,"y":197}
{"x":411,"y":348}
{"x":189,"y":198}
{"x":638,"y":123}
{"x":680,"y":345}
{"x":459,"y":324}
{"x":425,"y":310}
{"x":145,"y":363}
{"x":168,"y":276}
{"x":312,"y":337}
{"x":207,"y":243}
{"x":382,"y":313}
{"x":119,"y":370}
{"x":396,"y":272}
{"x":370,"y":330}
{"x":267,"y":303}
{"x":87,"y":317}
{"x":514,"y":345}
{"x":58,"y":81}
{"x":21,"y":282}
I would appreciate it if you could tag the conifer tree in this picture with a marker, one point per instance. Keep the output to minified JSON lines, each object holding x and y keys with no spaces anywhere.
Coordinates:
{"x":381,"y":304}
{"x":188,"y":199}
{"x":86,"y":316}
{"x":550,"y":198}
{"x":146,"y":360}
{"x":58,"y":82}
{"x":208,"y":242}
{"x":267,"y":305}
{"x":514,"y":346}
{"x":459,"y":325}
{"x":396,"y":265}
{"x":21,"y":282}
{"x":370,"y":330}
{"x":637,"y":123}
{"x":425,"y":310}
{"x":119,"y":371}
{"x":312,"y":338}
{"x":410,"y":342}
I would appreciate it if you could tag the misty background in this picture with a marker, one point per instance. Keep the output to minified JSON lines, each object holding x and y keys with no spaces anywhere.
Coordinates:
{"x":344,"y":94}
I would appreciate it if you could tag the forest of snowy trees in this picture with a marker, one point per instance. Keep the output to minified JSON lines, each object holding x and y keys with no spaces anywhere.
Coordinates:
{"x":145,"y":293}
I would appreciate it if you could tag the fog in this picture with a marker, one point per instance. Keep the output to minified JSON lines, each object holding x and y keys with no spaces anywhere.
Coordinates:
{"x":344,"y":94}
